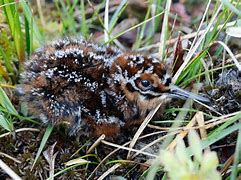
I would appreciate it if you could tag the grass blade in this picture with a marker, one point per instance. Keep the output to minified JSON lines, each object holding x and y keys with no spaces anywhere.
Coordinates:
{"x":164,"y":32}
{"x":106,"y":22}
{"x":6,"y":103}
{"x":117,"y":14}
{"x":5,"y":123}
{"x":32,"y":24}
{"x":43,"y":143}
{"x":237,"y":156}
{"x":84,"y":25}
{"x":225,"y":132}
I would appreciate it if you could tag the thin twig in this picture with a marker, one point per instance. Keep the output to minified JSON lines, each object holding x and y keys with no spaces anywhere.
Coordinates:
{"x":155,"y":142}
{"x":106,"y":21}
{"x":10,"y":157}
{"x":182,"y":134}
{"x":142,"y":127}
{"x":231,"y":55}
{"x":185,"y":37}
{"x":128,"y":149}
{"x":96,"y":143}
{"x":103,"y":176}
{"x":19,"y":130}
{"x":9,"y":171}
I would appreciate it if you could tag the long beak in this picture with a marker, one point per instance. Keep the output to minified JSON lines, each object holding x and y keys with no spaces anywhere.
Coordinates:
{"x":181,"y":93}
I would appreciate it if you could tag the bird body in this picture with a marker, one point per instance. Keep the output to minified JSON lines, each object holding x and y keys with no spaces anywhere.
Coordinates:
{"x":95,"y":89}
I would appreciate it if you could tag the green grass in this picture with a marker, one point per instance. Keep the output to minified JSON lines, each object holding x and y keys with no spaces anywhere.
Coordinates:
{"x":22,"y":31}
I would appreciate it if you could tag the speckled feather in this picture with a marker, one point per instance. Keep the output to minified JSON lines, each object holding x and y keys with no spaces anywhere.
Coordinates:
{"x":96,"y":89}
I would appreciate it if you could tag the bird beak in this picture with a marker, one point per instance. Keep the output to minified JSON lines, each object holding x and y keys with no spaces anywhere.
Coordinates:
{"x":183,"y":94}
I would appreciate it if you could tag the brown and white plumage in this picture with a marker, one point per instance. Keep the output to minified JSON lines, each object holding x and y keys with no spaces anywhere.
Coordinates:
{"x":94,"y":88}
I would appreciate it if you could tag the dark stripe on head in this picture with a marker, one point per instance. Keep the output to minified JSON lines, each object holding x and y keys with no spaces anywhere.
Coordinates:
{"x":129,"y":87}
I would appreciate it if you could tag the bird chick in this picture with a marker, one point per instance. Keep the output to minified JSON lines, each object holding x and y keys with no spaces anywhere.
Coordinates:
{"x":95,"y":89}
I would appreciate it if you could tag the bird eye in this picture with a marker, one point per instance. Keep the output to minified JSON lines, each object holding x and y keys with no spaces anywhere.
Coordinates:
{"x":145,"y":83}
